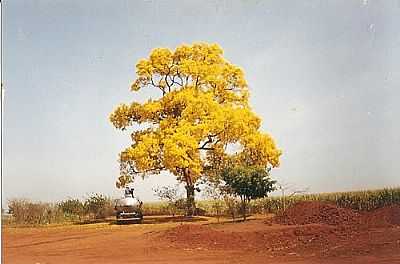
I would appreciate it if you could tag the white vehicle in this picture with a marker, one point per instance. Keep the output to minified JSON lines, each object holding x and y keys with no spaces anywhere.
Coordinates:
{"x":129,"y":207}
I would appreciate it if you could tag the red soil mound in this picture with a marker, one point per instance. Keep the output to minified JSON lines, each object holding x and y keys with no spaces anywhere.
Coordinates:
{"x":318,"y":213}
{"x":275,"y":240}
{"x":385,"y":216}
{"x":271,"y":239}
{"x":318,"y":229}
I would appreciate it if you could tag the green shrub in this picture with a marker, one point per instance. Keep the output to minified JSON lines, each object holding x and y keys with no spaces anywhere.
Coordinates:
{"x":72,"y":208}
{"x":99,"y":206}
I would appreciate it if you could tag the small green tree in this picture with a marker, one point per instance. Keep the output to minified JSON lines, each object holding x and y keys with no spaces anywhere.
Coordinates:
{"x":248,"y":182}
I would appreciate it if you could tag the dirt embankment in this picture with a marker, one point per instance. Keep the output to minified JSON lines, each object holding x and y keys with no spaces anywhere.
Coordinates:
{"x":306,"y":229}
{"x":386,"y":216}
{"x":304,"y":213}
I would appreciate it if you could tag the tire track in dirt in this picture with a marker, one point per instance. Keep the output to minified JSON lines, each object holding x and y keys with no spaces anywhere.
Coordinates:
{"x":47,"y":242}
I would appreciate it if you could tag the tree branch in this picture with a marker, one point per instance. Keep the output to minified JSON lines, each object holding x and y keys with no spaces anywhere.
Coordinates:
{"x":205,"y":143}
{"x":158,"y":86}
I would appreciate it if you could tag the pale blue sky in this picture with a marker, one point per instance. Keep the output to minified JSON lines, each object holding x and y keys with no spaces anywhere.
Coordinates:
{"x":324,"y":76}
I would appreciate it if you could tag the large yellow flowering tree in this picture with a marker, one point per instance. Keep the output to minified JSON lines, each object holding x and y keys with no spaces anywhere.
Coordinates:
{"x":200,"y":108}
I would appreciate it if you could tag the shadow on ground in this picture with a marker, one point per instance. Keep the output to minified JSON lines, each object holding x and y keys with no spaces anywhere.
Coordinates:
{"x":161,"y":219}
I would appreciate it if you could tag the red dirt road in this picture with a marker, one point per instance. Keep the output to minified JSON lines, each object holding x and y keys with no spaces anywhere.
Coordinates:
{"x":254,"y":241}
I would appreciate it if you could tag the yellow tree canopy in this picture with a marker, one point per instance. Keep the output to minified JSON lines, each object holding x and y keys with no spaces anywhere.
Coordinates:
{"x":202,"y":108}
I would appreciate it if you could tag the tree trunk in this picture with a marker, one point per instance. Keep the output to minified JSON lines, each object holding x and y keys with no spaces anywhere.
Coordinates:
{"x":190,"y":203}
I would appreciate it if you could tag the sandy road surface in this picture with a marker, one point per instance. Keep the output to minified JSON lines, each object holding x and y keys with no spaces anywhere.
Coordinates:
{"x":249,"y":242}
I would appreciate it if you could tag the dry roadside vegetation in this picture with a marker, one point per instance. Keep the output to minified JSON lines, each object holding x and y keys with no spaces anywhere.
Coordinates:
{"x":23,"y":212}
{"x":99,"y":207}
